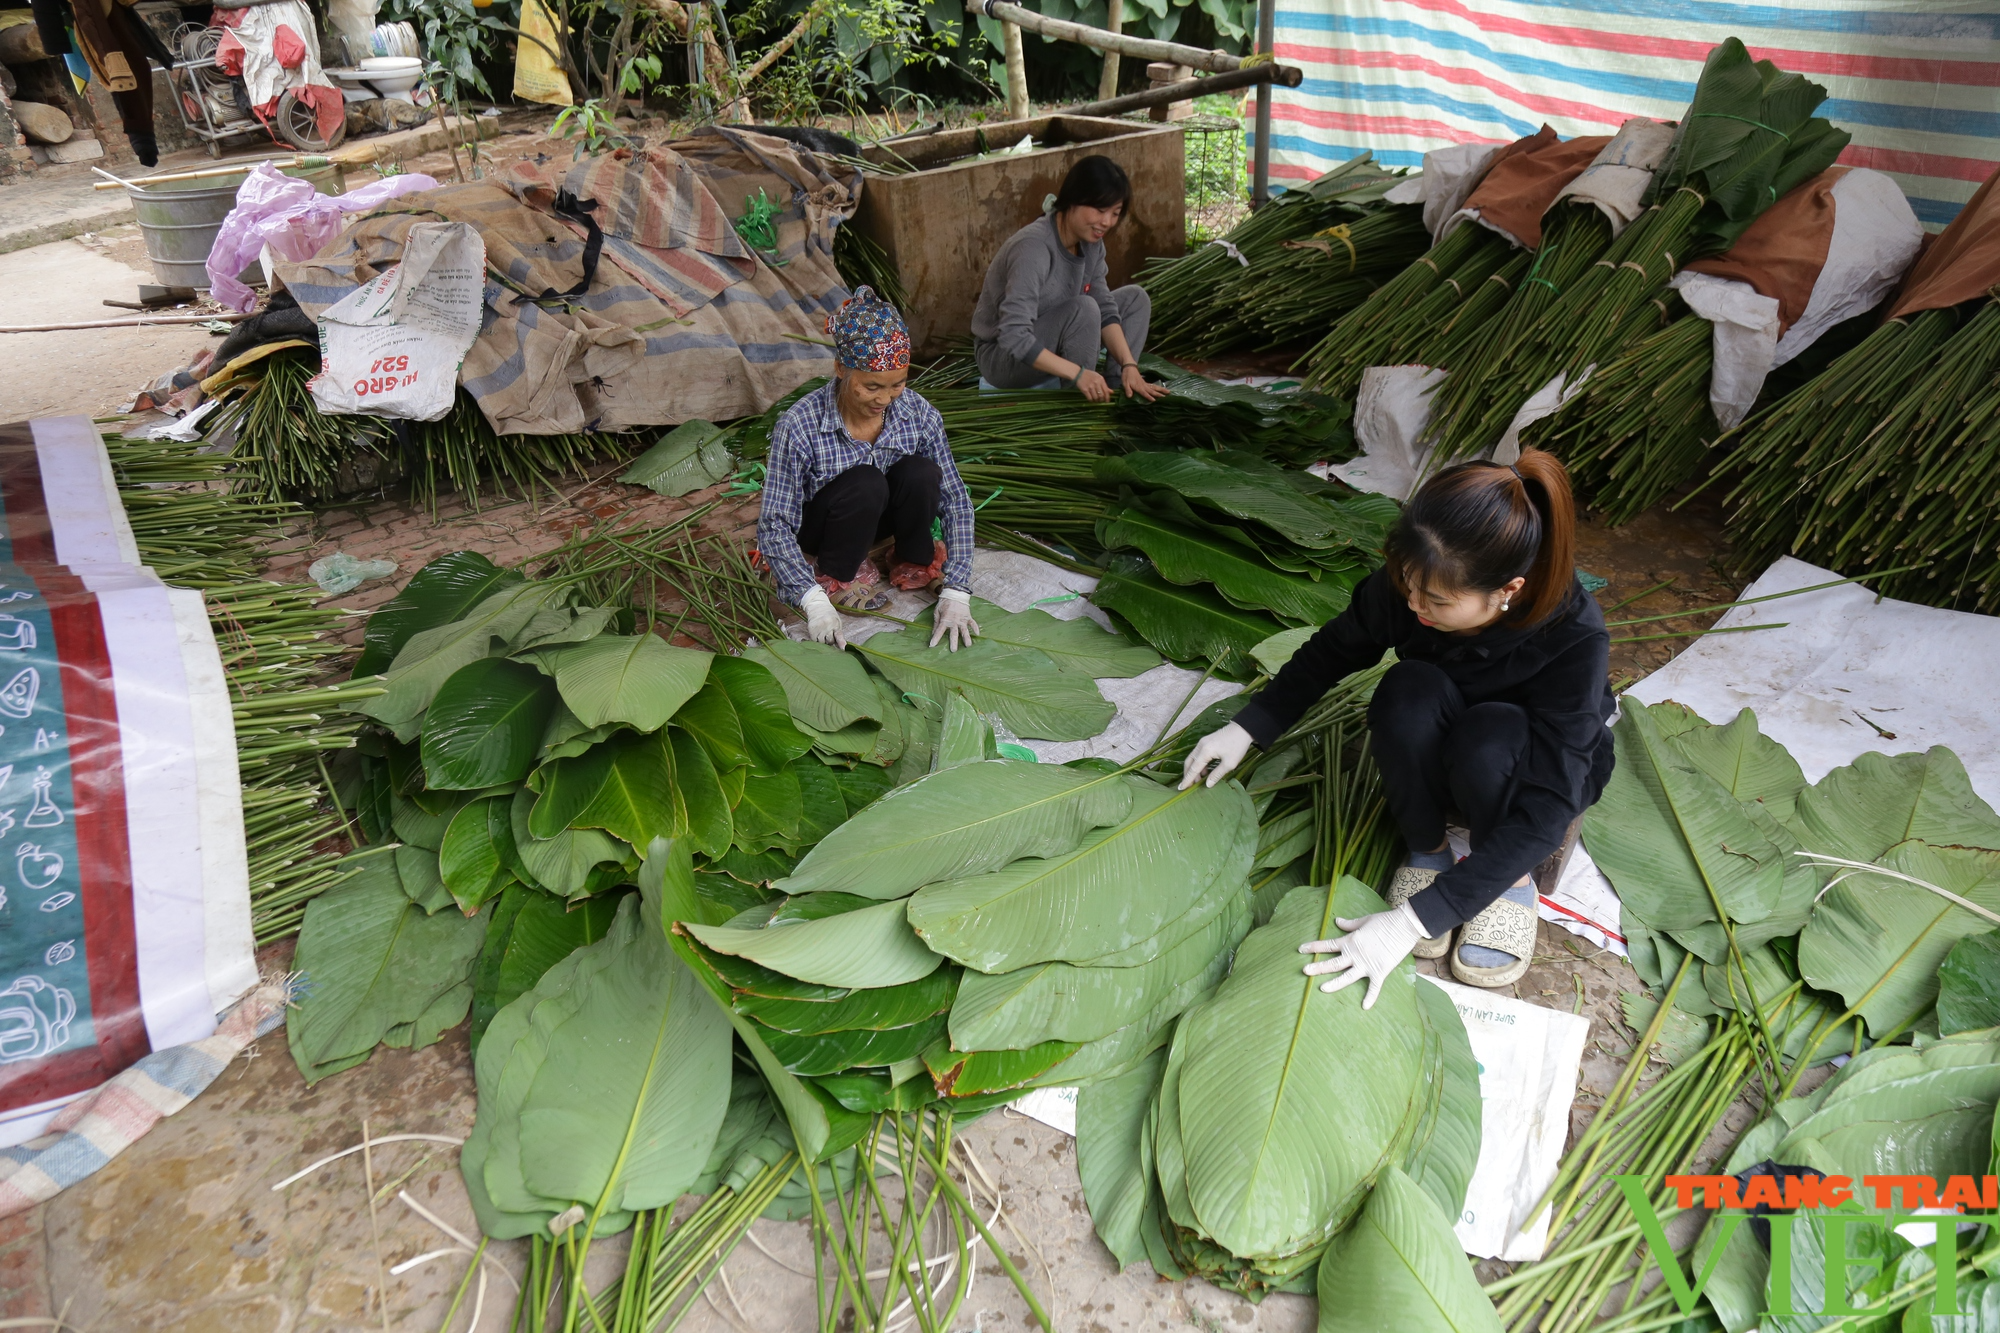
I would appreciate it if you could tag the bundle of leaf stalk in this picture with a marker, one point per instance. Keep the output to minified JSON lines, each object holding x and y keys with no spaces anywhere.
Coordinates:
{"x":1887,"y":458}
{"x":1505,"y":324}
{"x":289,"y":449}
{"x":198,"y":527}
{"x":1287,"y":271}
{"x":1780,"y":924}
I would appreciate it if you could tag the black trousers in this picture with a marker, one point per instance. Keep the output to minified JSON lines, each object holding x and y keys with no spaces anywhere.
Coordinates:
{"x":1438,"y":755}
{"x":863,"y":505}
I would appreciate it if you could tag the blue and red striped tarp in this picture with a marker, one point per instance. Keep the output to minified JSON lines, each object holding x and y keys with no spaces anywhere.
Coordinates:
{"x":1916,"y":84}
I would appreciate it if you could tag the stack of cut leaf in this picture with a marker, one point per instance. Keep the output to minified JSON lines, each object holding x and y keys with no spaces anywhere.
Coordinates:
{"x":1885,"y":461}
{"x":1779,"y":924}
{"x":993,"y":926}
{"x":1242,"y":1153}
{"x":197,"y":527}
{"x":1240,"y":550}
{"x":1749,"y":137}
{"x":291,"y":449}
{"x":1289,"y":269}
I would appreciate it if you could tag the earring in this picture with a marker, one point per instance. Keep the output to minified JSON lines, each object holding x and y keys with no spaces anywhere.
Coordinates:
{"x":1503,"y":603}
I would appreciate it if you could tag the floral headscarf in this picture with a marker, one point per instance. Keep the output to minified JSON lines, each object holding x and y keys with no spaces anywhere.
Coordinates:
{"x":868,"y":334}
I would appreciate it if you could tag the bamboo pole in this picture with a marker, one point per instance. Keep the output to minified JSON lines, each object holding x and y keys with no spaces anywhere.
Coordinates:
{"x":1017,"y":71}
{"x":227,"y":316}
{"x":1289,"y":75}
{"x":1114,"y":23}
{"x":1141,"y":48}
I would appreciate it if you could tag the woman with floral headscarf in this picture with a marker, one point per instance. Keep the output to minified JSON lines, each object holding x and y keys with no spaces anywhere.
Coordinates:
{"x":857,"y":461}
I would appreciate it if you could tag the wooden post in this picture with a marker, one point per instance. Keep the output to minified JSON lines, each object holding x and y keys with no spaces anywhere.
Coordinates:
{"x":1260,"y":161}
{"x":1114,"y":21}
{"x":1017,"y":71}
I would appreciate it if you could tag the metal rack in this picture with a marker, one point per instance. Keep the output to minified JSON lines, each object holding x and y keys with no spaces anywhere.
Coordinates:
{"x":209,"y":106}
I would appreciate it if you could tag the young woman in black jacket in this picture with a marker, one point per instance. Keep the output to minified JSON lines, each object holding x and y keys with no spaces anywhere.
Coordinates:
{"x":1494,"y":714}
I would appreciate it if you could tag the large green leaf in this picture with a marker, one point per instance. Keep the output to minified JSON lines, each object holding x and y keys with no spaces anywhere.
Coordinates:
{"x":978,"y":1073}
{"x":884,"y":1007}
{"x":1063,"y":1002}
{"x":1292,"y":1100}
{"x":1862,"y":810}
{"x":1119,"y":886}
{"x":742,"y":712}
{"x":825,"y":688}
{"x":701,"y":807}
{"x":1445,"y":1150}
{"x":370,"y":962}
{"x":692,"y":455}
{"x":1878,"y":942}
{"x":964,"y":737}
{"x":1746,"y":763}
{"x":1185,"y":623}
{"x":554,"y":625}
{"x":564,"y":788}
{"x":813,"y":1053}
{"x":1675,"y":843}
{"x":1117,"y":1176}
{"x":961,"y":821}
{"x":1022,"y":686}
{"x":635,"y":802}
{"x":562,"y":864}
{"x":613,"y":1095}
{"x":1187,"y":557}
{"x":439,"y":593}
{"x":431,"y":656}
{"x":1246,"y":487}
{"x":423,"y":882}
{"x":770,"y":810}
{"x":540,"y":931}
{"x":1080,"y":645}
{"x":639,"y":679}
{"x":485,"y":724}
{"x":1400,"y":1267}
{"x":1969,"y":985}
{"x":477,"y":850}
{"x":870,"y":947}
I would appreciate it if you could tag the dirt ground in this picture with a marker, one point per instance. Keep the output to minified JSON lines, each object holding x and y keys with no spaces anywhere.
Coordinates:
{"x":186,"y":1231}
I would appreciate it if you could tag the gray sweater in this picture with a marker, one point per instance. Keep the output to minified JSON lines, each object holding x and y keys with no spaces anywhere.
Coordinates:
{"x":1031,"y":274}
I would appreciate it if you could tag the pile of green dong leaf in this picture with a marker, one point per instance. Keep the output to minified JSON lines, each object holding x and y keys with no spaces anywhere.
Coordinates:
{"x":714,"y":916}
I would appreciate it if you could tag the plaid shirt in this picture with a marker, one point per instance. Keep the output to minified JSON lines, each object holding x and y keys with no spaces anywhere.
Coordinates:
{"x":811,"y":446}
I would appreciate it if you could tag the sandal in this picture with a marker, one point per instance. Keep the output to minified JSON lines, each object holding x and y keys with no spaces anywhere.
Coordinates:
{"x":863,"y":592}
{"x":916,"y":578}
{"x":1407,"y":884}
{"x":1507,"y":926}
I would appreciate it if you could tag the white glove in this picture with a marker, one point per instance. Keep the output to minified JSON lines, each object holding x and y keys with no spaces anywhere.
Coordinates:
{"x":953,"y":619}
{"x":1371,"y":948}
{"x":822,"y":621}
{"x":1224,"y":747}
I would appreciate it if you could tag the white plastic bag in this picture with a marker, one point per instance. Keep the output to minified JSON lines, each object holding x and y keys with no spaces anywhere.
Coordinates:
{"x":392,"y":347}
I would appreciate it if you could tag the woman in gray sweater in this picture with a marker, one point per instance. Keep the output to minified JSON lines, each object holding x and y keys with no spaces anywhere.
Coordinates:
{"x":1047,"y":308}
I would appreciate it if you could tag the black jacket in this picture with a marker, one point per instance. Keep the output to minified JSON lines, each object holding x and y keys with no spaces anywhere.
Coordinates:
{"x":1556,"y":671}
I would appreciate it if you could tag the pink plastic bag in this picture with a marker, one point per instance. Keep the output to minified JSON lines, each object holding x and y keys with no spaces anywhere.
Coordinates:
{"x":291,"y":217}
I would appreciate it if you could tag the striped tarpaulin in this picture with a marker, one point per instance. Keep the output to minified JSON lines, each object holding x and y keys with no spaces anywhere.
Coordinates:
{"x":1916,"y":82}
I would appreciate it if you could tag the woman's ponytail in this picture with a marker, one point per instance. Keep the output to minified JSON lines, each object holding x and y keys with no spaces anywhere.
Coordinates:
{"x":1545,"y":483}
{"x":1478,"y":526}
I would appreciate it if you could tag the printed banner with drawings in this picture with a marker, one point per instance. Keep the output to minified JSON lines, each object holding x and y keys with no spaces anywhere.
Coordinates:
{"x":124,"y":895}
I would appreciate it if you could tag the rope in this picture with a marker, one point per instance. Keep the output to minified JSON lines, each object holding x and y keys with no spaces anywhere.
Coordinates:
{"x":1232,"y":252}
{"x":1340,"y":233}
{"x":1724,"y":115}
